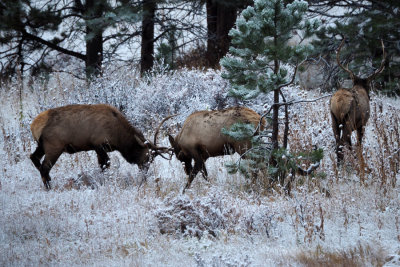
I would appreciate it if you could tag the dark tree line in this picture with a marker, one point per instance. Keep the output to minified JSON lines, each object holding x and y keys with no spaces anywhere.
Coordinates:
{"x":30,"y":32}
{"x":37,"y":36}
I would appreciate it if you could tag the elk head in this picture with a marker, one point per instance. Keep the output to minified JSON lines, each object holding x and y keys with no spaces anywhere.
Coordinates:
{"x":358,"y":81}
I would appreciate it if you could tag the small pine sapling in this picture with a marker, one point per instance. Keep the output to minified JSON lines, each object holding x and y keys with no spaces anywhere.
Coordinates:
{"x":262,"y":54}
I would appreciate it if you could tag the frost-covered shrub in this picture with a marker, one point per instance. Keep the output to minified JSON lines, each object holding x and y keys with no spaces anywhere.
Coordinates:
{"x":146,"y":100}
{"x":180,"y":93}
{"x":228,"y":261}
{"x":218,"y":212}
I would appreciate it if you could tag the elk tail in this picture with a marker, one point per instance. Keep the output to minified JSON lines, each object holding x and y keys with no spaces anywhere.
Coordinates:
{"x":38,"y":124}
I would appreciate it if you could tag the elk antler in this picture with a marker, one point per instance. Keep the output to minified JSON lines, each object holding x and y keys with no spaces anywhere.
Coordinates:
{"x":340,"y":64}
{"x":159,"y":150}
{"x":159,"y":126}
{"x":382,"y":66}
{"x":372,"y":76}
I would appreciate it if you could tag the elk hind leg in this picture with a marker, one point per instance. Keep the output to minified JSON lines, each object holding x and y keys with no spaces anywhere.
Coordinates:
{"x":360,"y":134}
{"x":37,"y":156}
{"x":203,"y":155}
{"x":345,"y":140}
{"x":337,"y":134}
{"x":363,"y":166}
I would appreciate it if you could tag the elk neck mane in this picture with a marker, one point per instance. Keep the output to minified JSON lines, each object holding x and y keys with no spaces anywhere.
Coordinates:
{"x":130,"y":131}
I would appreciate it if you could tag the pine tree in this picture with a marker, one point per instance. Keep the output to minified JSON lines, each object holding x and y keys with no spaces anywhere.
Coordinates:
{"x":363,"y":26}
{"x":261,"y":55}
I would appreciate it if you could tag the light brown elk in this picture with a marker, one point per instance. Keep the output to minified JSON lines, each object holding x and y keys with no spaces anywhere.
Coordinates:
{"x":201,"y":137}
{"x":350,"y":109}
{"x":76,"y":128}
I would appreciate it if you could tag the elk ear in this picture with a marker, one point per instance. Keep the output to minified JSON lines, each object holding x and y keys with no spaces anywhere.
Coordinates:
{"x":140,"y":142}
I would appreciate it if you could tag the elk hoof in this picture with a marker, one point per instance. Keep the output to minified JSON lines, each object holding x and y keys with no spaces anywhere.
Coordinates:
{"x":184,"y":189}
{"x":47,"y":185}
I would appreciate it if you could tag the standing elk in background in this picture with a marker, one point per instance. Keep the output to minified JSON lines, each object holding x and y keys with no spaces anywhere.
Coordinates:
{"x":350,"y":107}
{"x":76,"y":128}
{"x":201,"y":137}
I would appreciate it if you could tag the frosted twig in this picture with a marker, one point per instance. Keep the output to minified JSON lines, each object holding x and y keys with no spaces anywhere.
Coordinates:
{"x":303,"y":100}
{"x":288,"y":104}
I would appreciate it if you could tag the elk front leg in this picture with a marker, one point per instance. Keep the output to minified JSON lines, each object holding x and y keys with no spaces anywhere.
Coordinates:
{"x":189,"y":182}
{"x":188,"y":166}
{"x":204,"y":171}
{"x":143,"y":172}
{"x":48,"y":163}
{"x":194,"y":171}
{"x":102,"y":158}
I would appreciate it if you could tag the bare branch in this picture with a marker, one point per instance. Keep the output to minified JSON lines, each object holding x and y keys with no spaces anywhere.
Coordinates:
{"x":53,"y":46}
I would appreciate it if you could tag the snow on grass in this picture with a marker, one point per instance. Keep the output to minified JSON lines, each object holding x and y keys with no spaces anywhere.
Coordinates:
{"x":94,"y":218}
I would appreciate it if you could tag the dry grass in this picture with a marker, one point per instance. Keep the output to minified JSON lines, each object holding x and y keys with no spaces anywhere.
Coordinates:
{"x":354,"y":257}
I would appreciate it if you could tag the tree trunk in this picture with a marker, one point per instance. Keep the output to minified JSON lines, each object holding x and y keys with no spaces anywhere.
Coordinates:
{"x":275,"y":120}
{"x":147,"y":49}
{"x":226,"y":19}
{"x":94,"y":53}
{"x":211,"y":54}
{"x":221,"y":16}
{"x":275,"y":109}
{"x":286,"y":130}
{"x":94,"y":38}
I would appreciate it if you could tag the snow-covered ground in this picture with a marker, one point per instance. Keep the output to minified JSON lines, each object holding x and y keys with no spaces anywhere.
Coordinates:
{"x":107,"y":219}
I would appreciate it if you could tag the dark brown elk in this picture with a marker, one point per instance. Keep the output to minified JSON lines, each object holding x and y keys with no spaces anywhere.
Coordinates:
{"x":76,"y":128}
{"x":350,"y":109}
{"x":201,"y":137}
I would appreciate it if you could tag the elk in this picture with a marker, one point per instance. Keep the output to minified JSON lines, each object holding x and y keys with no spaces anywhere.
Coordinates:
{"x":201,"y":138}
{"x":76,"y":128}
{"x":350,"y":109}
